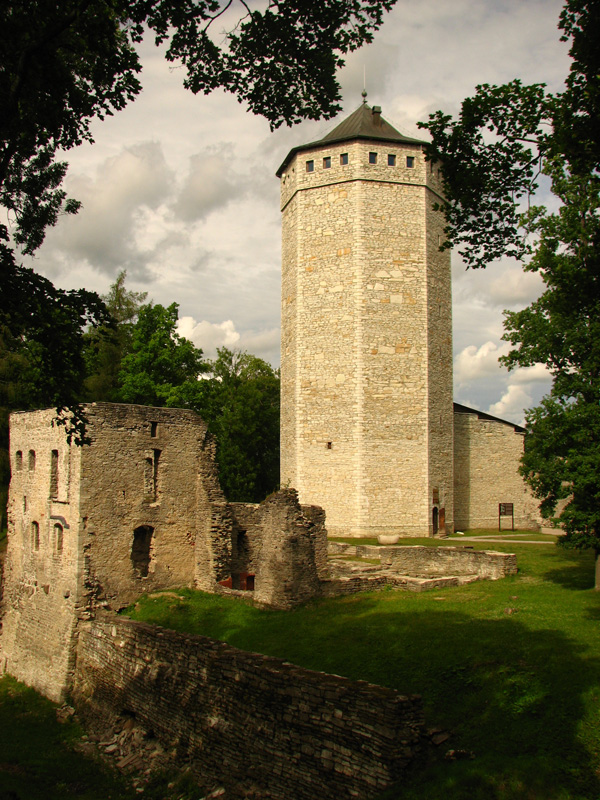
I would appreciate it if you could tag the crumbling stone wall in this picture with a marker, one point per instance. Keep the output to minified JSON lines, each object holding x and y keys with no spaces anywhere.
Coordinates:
{"x":282,"y":545}
{"x":419,"y":561}
{"x":487,"y":454}
{"x":244,"y":718}
{"x":437,"y":561}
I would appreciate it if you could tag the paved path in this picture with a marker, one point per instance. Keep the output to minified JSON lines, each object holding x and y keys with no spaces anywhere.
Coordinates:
{"x":503,"y":540}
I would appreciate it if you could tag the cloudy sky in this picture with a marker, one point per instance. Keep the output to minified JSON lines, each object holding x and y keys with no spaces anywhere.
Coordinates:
{"x":181,"y":191}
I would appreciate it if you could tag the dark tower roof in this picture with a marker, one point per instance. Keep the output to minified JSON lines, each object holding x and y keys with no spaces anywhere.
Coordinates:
{"x":365,"y":123}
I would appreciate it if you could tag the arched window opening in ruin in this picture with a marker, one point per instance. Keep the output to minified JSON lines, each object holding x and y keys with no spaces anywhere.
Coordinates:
{"x":35,"y":536}
{"x":31,"y":460}
{"x":19,"y":460}
{"x":58,"y":538}
{"x":141,"y":549}
{"x":54,"y":474}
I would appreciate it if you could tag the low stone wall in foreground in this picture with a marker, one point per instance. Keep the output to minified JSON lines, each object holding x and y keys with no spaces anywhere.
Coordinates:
{"x":241,"y":718}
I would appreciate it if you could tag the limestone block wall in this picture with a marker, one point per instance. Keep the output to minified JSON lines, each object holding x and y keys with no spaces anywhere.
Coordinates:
{"x":43,"y":561}
{"x":487,"y":454}
{"x":147,"y":499}
{"x":366,"y":340}
{"x":241,"y":718}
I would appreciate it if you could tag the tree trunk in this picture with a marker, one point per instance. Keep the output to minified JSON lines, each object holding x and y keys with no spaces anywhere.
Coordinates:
{"x":597,"y":572}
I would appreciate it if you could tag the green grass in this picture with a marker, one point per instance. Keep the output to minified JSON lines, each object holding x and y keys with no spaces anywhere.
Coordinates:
{"x":520,"y":689}
{"x":37,"y":760}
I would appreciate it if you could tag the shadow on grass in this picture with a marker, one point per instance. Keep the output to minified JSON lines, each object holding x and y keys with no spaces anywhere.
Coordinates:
{"x":574,"y":575}
{"x":512,"y":695}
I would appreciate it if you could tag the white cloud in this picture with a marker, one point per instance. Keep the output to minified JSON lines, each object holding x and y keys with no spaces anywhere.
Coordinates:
{"x":538,"y":373}
{"x":474,"y":363}
{"x":512,"y":404}
{"x":209,"y":335}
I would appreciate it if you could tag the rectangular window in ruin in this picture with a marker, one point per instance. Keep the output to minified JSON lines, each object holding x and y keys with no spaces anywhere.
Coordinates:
{"x":154,"y":429}
{"x":35,"y":536}
{"x":54,"y":474}
{"x":31,"y":460}
{"x":151,"y":476}
{"x":18,"y":460}
{"x":141,"y":550}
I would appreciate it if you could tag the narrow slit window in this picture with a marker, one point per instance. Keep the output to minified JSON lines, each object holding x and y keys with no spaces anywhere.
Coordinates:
{"x":372,"y":158}
{"x":58,"y":538}
{"x":54,"y":474}
{"x":391,"y":160}
{"x":410,"y":162}
{"x":151,"y":476}
{"x":32,"y":460}
{"x":327,"y":162}
{"x":19,"y":460}
{"x":310,"y":166}
{"x":35,"y":536}
{"x":344,"y":159}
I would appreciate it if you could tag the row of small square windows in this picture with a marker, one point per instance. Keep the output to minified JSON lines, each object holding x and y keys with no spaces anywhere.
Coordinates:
{"x":391,"y":160}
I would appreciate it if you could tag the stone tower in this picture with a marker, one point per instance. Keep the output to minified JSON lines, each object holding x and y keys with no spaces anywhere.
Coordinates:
{"x":366,"y":355}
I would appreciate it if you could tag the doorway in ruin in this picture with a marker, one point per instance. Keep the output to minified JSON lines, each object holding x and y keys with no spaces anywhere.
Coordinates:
{"x":141,"y":549}
{"x":435,"y":521}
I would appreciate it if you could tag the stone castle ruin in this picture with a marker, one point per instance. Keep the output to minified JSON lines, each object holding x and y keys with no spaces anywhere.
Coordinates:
{"x":370,"y":437}
{"x":137,"y":510}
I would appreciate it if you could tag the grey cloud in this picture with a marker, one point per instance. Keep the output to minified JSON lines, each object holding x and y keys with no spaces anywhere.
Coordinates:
{"x":210,"y":184}
{"x":114,"y":202}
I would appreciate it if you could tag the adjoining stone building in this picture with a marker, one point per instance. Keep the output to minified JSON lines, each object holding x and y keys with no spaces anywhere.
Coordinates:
{"x":368,"y":427}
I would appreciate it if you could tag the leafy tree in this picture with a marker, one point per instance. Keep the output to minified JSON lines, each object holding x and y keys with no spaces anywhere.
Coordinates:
{"x":162,"y":368}
{"x":493,"y":155}
{"x":106,"y":346}
{"x":64,"y":64}
{"x":241,"y":406}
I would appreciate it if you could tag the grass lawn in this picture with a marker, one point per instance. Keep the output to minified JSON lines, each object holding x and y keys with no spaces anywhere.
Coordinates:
{"x":510,"y":668}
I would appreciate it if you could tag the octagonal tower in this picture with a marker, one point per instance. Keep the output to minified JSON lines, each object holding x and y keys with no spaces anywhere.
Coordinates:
{"x":366,"y":356}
